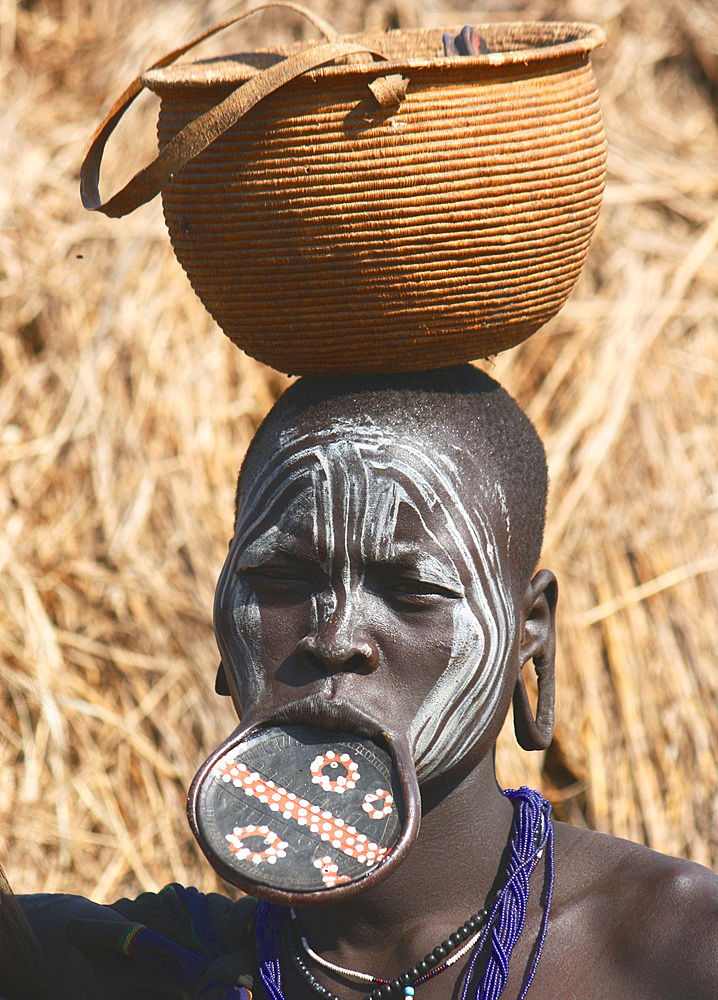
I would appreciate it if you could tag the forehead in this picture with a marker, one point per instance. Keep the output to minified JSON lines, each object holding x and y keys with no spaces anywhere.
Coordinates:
{"x":395,"y":484}
{"x":354,"y":448}
{"x":354,"y":461}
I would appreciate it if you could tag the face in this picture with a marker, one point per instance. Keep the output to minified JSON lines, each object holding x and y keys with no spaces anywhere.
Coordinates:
{"x":369,"y":569}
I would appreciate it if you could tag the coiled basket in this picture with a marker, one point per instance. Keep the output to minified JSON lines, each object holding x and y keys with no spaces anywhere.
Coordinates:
{"x":391,"y":209}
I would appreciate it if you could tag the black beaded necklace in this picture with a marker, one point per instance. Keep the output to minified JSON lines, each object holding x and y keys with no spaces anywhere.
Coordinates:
{"x":403,"y":985}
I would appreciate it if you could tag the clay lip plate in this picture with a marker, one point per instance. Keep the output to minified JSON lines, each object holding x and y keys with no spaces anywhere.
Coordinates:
{"x":297,"y":809}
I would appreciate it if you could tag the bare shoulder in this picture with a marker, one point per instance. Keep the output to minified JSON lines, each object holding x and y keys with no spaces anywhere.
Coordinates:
{"x":655,"y":916}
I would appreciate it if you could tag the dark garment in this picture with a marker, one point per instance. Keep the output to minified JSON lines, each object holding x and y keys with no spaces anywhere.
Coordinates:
{"x":178,"y":944}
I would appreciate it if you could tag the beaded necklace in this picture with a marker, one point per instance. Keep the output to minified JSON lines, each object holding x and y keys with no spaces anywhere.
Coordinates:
{"x":502,"y":918}
{"x":427,"y":968}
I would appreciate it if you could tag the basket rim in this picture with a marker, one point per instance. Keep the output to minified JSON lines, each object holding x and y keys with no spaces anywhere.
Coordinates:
{"x":572,"y":38}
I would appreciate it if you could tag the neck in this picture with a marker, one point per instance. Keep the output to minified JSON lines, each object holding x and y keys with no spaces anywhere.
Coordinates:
{"x":437,"y":887}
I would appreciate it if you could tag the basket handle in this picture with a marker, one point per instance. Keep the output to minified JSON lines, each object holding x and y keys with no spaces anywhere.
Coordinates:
{"x":200,"y":133}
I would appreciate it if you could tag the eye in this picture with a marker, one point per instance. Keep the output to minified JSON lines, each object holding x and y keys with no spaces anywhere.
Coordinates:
{"x":276,"y":573}
{"x":419,"y":592}
{"x":280,"y":577}
{"x":414,"y":587}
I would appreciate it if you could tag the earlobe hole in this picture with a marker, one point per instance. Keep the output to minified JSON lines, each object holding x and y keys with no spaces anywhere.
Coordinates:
{"x":221,"y":685}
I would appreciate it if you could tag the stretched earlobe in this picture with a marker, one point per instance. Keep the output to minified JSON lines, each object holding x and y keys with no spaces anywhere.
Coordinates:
{"x":538,"y":644}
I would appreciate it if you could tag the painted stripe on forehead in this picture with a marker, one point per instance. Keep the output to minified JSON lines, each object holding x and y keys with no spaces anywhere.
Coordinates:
{"x":350,"y":493}
{"x":370,"y":456}
{"x":390,"y":501}
{"x":290,"y":447}
{"x":282,"y":486}
{"x":293,"y":448}
{"x":332,"y":484}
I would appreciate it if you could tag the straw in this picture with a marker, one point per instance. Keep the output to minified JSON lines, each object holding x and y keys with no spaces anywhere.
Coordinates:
{"x":124,"y":414}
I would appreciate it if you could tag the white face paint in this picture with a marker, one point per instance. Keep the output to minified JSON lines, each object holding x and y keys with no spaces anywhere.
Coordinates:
{"x":335,"y":496}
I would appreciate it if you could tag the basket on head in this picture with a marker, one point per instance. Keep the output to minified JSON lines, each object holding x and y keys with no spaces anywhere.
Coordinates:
{"x":398,"y":209}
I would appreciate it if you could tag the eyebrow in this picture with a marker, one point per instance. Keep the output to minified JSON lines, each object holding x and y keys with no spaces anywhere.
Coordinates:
{"x":431,"y":566}
{"x":273,"y":543}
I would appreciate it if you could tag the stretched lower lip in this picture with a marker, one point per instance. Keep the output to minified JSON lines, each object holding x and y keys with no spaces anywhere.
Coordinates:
{"x":330,"y":714}
{"x":271,"y":828}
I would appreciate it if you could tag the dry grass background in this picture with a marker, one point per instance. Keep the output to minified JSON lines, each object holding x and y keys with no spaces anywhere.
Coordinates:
{"x":124,"y":414}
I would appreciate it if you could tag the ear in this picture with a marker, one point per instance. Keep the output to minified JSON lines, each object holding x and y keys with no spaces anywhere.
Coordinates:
{"x":220,"y":682}
{"x":538,"y":643}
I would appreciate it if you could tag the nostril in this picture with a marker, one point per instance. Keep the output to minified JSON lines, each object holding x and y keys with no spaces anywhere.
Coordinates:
{"x":359,"y":663}
{"x":328,"y":657}
{"x":309,"y":657}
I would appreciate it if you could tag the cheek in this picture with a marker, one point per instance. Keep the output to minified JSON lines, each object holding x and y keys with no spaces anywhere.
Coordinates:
{"x":463,"y":652}
{"x":461,"y":705}
{"x":280,"y":628}
{"x":416,"y":651}
{"x":468,"y":646}
{"x":238,"y":628}
{"x":256,"y":640}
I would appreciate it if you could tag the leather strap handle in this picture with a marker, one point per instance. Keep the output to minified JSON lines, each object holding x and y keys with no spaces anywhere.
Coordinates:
{"x":200,"y":133}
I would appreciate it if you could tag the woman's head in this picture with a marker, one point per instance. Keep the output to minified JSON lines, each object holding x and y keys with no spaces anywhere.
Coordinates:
{"x":386,"y":532}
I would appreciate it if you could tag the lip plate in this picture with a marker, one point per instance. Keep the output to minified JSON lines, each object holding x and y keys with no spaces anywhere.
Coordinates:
{"x":211,"y":811}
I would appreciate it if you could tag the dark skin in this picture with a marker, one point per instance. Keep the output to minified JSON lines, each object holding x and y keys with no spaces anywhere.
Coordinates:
{"x":625,"y":922}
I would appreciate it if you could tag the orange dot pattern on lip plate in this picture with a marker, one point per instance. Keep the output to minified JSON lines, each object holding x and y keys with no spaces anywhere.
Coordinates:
{"x":381,"y":796}
{"x":322,"y":822}
{"x":332,"y":759}
{"x":330,"y":872}
{"x":274,"y":845}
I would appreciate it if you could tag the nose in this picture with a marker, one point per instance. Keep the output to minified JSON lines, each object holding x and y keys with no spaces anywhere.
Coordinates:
{"x":336,"y":648}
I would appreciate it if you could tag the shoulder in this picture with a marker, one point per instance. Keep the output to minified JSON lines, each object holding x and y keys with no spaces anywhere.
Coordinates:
{"x":657,"y":916}
{"x":680,"y":937}
{"x":49,"y":916}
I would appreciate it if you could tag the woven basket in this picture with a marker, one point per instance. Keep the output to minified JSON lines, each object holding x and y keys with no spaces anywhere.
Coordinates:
{"x":441,"y":216}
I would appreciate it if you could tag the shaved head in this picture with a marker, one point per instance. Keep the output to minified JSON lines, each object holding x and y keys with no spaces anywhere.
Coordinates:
{"x":459,"y":413}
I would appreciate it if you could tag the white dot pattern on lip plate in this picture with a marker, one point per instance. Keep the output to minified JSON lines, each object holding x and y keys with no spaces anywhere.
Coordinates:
{"x":385,"y":800}
{"x":333,"y":760}
{"x":330,"y":872}
{"x":274,"y":846}
{"x":342,"y":837}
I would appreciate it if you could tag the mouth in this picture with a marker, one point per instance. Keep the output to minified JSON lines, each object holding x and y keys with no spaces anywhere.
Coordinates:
{"x":321,"y":713}
{"x":311,"y":803}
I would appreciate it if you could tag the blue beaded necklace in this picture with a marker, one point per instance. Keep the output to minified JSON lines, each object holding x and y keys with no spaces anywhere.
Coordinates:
{"x":531,"y":834}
